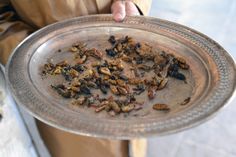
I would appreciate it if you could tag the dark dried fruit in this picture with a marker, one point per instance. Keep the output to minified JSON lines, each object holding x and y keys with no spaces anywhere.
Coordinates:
{"x":177,"y":75}
{"x":111,"y":52}
{"x":85,"y":90}
{"x":112,"y":39}
{"x":130,"y":98}
{"x":79,"y":68}
{"x":137,"y":46}
{"x":66,"y":75}
{"x":103,"y":89}
{"x":174,"y":67}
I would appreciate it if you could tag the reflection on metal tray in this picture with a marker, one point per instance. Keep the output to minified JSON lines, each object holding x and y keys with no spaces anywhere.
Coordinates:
{"x":211,"y":82}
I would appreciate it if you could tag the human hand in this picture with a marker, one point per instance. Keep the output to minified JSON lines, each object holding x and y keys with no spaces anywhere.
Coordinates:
{"x":121,"y":8}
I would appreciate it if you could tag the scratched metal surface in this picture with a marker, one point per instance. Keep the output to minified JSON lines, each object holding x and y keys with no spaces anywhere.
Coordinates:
{"x":211,"y":82}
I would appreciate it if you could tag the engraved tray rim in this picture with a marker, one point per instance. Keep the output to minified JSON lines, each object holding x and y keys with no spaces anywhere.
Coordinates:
{"x":52,"y":115}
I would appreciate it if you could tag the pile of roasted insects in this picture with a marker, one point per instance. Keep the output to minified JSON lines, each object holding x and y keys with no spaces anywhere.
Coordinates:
{"x":126,"y":69}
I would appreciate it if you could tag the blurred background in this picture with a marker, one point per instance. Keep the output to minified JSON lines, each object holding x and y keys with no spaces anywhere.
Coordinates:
{"x":215,"y":138}
{"x":215,"y":18}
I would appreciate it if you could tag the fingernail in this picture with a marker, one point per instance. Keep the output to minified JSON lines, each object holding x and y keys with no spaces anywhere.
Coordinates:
{"x":119,"y":17}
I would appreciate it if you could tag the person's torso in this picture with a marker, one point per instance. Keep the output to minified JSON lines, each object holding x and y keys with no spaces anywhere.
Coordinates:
{"x":43,"y":12}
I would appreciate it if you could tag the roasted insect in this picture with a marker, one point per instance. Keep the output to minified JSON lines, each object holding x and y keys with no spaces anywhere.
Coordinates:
{"x":120,"y":71}
{"x":161,"y":107}
{"x":186,"y":101}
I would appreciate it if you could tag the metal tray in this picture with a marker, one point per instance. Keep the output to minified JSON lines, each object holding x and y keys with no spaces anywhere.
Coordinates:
{"x":211,"y":81}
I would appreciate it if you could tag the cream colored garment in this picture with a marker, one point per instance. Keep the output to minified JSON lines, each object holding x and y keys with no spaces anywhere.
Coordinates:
{"x":34,"y":14}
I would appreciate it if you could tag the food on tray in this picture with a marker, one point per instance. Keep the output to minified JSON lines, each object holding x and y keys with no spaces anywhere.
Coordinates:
{"x":113,"y":78}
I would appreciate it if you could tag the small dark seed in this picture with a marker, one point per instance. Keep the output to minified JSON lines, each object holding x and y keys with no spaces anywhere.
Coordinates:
{"x":139,"y":60}
{"x":137,"y":46}
{"x":111,"y":52}
{"x":177,"y":75}
{"x":85,"y":90}
{"x":174,"y":67}
{"x":79,"y":68}
{"x":112,"y":39}
{"x":103,"y":89}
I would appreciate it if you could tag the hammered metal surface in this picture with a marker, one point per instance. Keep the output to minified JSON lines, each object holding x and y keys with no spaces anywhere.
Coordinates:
{"x":211,"y":81}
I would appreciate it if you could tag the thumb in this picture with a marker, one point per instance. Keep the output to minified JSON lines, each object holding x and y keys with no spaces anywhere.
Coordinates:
{"x":118,"y":10}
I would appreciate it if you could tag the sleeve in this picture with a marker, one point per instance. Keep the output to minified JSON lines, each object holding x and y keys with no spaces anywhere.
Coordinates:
{"x":143,"y":6}
{"x":12,"y":30}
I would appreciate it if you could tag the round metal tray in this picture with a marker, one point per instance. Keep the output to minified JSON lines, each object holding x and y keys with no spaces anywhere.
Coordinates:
{"x":211,"y":81}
